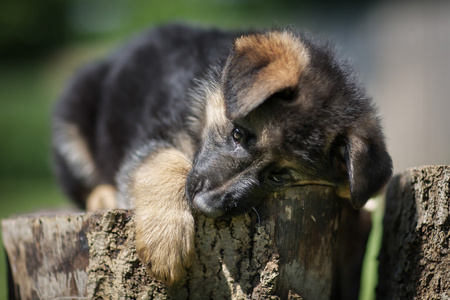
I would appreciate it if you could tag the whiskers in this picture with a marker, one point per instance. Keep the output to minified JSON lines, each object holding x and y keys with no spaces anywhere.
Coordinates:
{"x":257,"y":214}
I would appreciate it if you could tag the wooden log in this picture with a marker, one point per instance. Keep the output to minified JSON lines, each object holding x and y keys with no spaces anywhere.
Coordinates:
{"x":288,"y":249}
{"x":415,"y":258}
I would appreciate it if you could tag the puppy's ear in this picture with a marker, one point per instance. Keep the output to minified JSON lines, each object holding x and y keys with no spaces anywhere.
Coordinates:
{"x":259,"y":66}
{"x":368,"y":164}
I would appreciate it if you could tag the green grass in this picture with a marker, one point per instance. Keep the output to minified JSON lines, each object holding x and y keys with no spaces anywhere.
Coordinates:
{"x":369,"y":276}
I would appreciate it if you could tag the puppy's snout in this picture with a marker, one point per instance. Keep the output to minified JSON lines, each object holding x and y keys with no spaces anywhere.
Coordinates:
{"x":199,"y":195}
{"x":194,"y":185}
{"x":205,"y":205}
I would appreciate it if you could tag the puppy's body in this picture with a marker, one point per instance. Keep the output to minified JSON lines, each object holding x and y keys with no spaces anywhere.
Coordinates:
{"x":138,"y":94}
{"x":187,"y":118}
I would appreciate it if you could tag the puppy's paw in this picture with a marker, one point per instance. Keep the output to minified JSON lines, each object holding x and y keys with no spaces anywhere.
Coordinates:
{"x":165,"y":243}
{"x":164,"y":222}
{"x":102,"y":197}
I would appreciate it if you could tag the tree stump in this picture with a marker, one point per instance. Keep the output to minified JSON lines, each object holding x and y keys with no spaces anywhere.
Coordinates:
{"x":292,"y":247}
{"x":415,"y":258}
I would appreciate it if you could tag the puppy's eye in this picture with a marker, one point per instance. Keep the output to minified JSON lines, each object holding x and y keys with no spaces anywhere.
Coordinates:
{"x":277,"y":179}
{"x":280,"y":178}
{"x":238,"y":135}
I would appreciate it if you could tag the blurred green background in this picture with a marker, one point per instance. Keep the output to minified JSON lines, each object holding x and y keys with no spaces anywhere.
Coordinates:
{"x":43,"y":42}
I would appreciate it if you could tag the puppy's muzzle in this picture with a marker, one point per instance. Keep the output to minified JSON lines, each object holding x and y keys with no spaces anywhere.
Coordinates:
{"x":200,"y":198}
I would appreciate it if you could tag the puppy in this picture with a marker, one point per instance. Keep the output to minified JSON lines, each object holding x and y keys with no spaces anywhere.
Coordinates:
{"x":184,"y":120}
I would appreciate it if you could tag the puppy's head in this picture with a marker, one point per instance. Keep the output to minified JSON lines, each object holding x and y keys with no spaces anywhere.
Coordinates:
{"x":283,"y":112}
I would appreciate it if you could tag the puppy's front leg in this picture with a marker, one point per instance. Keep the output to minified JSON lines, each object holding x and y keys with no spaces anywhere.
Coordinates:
{"x":164,"y":221}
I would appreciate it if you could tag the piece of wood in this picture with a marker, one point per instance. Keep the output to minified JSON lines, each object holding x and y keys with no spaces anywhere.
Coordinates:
{"x":415,"y":258}
{"x":288,"y":249}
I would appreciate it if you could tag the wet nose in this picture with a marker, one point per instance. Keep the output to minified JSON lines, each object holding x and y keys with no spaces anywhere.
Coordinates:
{"x":194,"y":185}
{"x":204,"y":204}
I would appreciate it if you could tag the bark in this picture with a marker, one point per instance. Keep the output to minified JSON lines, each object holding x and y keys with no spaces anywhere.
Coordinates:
{"x":415,"y":259}
{"x":294,"y":246}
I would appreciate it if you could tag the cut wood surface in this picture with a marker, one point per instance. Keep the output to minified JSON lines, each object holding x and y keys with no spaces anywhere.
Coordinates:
{"x":296,"y":246}
{"x":415,"y":257}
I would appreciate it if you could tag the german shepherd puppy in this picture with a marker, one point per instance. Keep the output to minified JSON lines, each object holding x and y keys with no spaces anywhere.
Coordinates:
{"x":185,"y":120}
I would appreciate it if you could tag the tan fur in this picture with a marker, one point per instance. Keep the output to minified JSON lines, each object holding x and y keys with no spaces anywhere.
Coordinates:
{"x":185,"y":145}
{"x":286,"y":58}
{"x":286,"y":53}
{"x":215,"y":111}
{"x":102,"y":197}
{"x":72,"y":145}
{"x":343,"y":191}
{"x":271,"y":137}
{"x":164,"y":221}
{"x":209,"y":108}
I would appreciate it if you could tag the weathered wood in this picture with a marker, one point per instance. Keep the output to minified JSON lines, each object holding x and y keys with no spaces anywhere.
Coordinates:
{"x":415,"y":258}
{"x":48,"y":255}
{"x":289,"y":250}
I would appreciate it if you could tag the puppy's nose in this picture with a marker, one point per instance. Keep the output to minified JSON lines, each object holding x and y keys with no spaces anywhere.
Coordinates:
{"x":194,"y":185}
{"x":204,"y":205}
